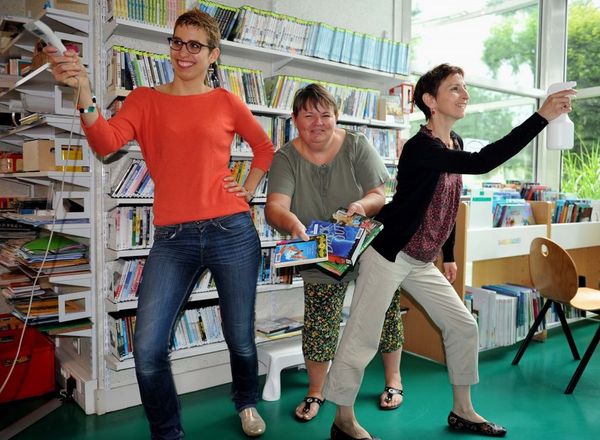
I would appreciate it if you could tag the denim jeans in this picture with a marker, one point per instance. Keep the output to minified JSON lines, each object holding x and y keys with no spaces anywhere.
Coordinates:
{"x":230,"y":248}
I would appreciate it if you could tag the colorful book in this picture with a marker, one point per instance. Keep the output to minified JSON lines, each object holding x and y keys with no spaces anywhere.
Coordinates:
{"x":371,"y":227}
{"x":343,"y":241}
{"x":297,"y":252}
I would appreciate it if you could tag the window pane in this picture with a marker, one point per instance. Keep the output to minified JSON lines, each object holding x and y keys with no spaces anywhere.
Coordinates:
{"x":581,"y":166}
{"x":583,"y":46}
{"x":488,"y":38}
{"x":490,"y":116}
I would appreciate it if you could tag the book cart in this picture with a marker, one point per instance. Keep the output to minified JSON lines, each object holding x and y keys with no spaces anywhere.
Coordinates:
{"x":501,"y":255}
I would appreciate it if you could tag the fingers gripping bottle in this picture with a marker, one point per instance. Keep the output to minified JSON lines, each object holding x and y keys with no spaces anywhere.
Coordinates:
{"x":560,"y":134}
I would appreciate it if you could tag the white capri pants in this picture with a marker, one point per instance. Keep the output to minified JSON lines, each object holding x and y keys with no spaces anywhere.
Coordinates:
{"x":375,"y":287}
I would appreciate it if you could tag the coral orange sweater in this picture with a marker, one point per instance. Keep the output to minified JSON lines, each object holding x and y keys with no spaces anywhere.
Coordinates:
{"x":186,"y":143}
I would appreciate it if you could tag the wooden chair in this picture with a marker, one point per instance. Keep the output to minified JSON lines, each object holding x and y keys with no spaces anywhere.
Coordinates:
{"x":554,"y":275}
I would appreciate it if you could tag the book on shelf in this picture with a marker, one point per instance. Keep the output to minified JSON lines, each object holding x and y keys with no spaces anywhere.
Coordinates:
{"x":513,"y":212}
{"x":271,"y":327}
{"x":298,"y":252}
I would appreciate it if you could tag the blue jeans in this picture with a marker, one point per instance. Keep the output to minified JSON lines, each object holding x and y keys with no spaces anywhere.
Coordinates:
{"x":230,"y":248}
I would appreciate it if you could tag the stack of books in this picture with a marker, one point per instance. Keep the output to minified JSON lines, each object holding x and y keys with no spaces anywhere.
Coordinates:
{"x":346,"y":238}
{"x":64,"y":256}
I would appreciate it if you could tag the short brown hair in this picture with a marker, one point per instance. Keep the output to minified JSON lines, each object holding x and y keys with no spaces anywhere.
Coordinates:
{"x":201,"y":20}
{"x":313,"y":94}
{"x":430,"y":83}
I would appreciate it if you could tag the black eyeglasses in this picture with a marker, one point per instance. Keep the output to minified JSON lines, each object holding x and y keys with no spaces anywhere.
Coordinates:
{"x":192,"y":47}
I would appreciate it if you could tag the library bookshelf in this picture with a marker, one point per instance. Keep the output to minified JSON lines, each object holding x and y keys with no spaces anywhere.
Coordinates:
{"x":501,"y":255}
{"x":36,"y":93}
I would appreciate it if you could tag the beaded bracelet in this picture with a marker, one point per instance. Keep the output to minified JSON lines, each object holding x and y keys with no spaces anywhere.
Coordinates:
{"x":90,"y":109}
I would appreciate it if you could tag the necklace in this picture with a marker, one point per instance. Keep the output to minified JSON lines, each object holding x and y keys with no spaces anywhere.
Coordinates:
{"x":448,"y":144}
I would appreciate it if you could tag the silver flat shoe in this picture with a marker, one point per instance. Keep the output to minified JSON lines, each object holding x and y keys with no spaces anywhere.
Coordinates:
{"x":252,"y":423}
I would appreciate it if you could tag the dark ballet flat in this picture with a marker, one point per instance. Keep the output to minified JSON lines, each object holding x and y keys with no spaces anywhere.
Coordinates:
{"x":484,"y":428}
{"x":337,"y":434}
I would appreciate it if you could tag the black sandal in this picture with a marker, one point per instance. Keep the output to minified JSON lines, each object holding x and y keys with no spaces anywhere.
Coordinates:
{"x":308,"y":400}
{"x":390,"y":396}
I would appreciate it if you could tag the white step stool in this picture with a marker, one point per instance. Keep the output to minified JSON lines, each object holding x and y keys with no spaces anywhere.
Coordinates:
{"x":277,"y":355}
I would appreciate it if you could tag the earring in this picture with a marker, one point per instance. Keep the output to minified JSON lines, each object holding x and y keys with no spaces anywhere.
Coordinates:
{"x":432,"y":112}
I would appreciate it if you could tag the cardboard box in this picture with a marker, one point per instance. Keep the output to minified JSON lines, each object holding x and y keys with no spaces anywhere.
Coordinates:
{"x":33,"y":374}
{"x":38,"y":155}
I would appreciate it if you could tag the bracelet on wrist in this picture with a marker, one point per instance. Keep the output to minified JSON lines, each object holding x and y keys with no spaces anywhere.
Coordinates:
{"x":90,"y":109}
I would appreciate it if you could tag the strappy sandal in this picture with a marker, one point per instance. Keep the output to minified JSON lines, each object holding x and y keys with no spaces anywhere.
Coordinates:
{"x":308,"y":401}
{"x":390,"y":396}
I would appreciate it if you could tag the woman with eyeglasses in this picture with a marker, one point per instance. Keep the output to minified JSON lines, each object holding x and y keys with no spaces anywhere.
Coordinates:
{"x":201,"y":215}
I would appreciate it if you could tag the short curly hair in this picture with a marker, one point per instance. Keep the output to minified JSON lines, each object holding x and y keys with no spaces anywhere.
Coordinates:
{"x":430,"y":83}
{"x":201,"y":20}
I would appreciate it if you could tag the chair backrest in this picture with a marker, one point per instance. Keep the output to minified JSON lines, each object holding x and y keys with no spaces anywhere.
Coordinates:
{"x":552,"y":270}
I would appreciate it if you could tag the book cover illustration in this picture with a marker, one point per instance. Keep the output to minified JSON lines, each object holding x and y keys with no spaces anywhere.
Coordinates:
{"x":343,"y":241}
{"x":371,"y":229}
{"x":297,"y":252}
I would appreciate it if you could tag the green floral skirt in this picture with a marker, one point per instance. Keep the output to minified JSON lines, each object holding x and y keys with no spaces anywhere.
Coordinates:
{"x":322,"y":316}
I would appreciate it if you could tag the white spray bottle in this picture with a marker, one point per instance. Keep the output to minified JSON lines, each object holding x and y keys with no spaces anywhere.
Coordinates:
{"x":561,"y":131}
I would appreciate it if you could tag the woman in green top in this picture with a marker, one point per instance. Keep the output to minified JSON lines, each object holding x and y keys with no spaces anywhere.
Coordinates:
{"x":312,"y":176}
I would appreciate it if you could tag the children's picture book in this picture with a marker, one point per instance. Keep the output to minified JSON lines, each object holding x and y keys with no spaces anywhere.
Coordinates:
{"x":297,"y":252}
{"x":371,"y":227}
{"x":343,"y":240}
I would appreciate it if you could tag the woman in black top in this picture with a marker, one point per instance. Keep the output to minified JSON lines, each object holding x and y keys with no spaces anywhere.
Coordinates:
{"x":419,"y":222}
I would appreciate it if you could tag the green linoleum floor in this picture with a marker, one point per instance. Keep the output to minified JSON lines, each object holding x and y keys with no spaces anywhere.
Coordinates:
{"x":528,"y":399}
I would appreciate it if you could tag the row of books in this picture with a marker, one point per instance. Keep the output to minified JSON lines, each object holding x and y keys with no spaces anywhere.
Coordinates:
{"x":162,"y":13}
{"x":198,"y":326}
{"x":130,"y":227}
{"x":352,"y":101}
{"x":385,"y":140}
{"x":281,"y":129}
{"x":124,"y":277}
{"x":268,"y":274}
{"x":572,"y":211}
{"x":248,"y":84}
{"x":133,"y":68}
{"x":265,"y":231}
{"x":135,"y":182}
{"x":257,"y":27}
{"x":240,"y":170}
{"x":506,"y":312}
